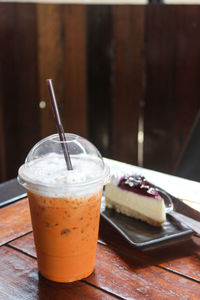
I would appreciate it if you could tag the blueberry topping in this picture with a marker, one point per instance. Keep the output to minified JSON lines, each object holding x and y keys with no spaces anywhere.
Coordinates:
{"x":138,"y":184}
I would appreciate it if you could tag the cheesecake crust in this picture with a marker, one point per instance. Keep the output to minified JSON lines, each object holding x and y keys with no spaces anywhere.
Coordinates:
{"x":131,"y":213}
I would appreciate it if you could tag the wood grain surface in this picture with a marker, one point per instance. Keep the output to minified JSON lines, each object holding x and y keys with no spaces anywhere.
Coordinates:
{"x":111,"y":65}
{"x":160,"y":101}
{"x":75,"y":110}
{"x":19,"y":91}
{"x":185,"y":262}
{"x":128,"y":80}
{"x":170,"y":257}
{"x":50,"y":62}
{"x":2,"y":148}
{"x":123,"y":270}
{"x":19,"y":279}
{"x":61,"y":54}
{"x":14,"y":221}
{"x":99,"y":74}
{"x":172,"y":90}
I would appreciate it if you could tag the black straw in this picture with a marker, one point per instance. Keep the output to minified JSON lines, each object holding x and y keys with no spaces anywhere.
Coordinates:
{"x":59,"y":124}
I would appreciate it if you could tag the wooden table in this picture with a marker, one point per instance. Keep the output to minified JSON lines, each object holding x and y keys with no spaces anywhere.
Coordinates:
{"x":121,"y":272}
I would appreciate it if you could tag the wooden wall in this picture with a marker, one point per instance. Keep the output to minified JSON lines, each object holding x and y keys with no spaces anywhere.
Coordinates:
{"x":110,"y":64}
{"x":172,"y":96}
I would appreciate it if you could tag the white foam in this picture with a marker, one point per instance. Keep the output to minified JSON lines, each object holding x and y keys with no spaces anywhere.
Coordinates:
{"x":49,"y":175}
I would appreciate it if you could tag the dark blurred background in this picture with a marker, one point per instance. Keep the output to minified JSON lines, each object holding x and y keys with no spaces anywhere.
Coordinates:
{"x":127,"y":77}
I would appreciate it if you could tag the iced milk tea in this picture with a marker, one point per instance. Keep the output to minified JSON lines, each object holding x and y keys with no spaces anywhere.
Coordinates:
{"x":64,"y":205}
{"x":65,"y":234}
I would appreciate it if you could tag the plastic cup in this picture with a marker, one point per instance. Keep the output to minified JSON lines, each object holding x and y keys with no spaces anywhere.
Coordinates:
{"x":64,"y":205}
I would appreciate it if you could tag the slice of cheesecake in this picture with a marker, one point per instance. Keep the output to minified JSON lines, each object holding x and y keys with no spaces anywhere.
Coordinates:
{"x":134,"y":196}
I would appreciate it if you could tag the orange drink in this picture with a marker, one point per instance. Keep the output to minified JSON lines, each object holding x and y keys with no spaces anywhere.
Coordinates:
{"x":64,"y":206}
{"x":65,"y":234}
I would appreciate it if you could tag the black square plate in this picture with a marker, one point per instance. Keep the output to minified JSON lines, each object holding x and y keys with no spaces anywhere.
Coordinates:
{"x":143,"y":235}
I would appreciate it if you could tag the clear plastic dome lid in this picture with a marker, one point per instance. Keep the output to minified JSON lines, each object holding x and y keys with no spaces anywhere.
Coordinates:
{"x":45,"y":168}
